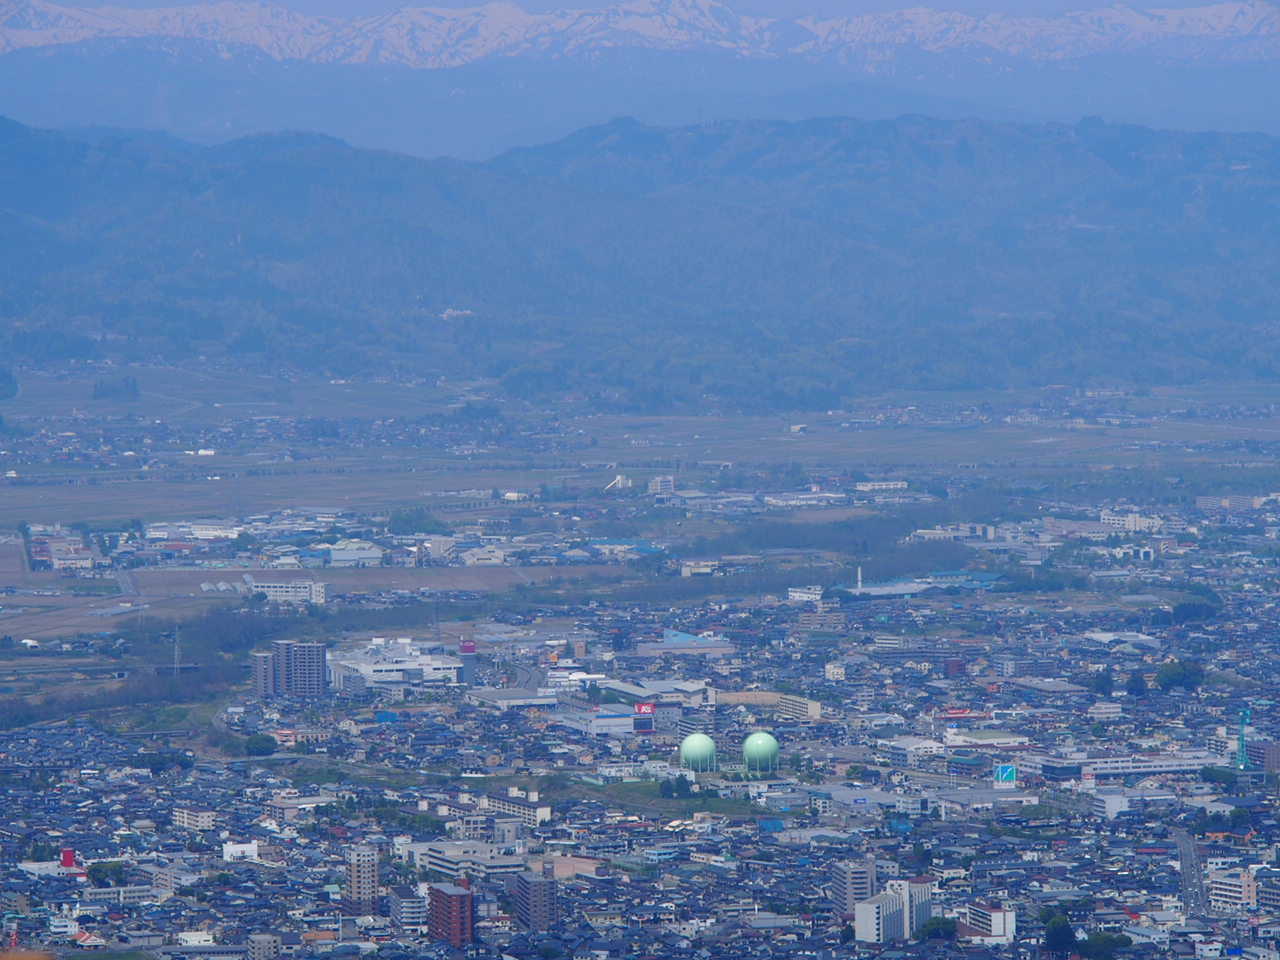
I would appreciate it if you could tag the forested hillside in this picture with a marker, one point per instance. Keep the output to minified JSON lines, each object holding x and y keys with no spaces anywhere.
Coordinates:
{"x":660,"y":267}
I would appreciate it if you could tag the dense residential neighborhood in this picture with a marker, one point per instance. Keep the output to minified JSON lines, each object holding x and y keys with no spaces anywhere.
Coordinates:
{"x":921,"y":767}
{"x":654,"y":709}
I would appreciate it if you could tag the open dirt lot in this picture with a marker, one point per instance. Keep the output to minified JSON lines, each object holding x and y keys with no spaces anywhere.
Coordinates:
{"x":41,"y":617}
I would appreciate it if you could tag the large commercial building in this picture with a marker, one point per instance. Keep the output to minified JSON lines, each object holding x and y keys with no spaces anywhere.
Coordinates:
{"x":391,"y":663}
{"x":462,"y":858}
{"x":1062,"y":766}
{"x":293,"y":668}
{"x":534,"y":895}
{"x":451,"y":913}
{"x":360,"y":895}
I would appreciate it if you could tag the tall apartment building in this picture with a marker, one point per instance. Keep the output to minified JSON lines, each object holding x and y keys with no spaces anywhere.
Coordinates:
{"x":917,"y":902}
{"x":535,"y":899}
{"x":451,"y":913}
{"x":878,"y":919}
{"x":408,"y":908}
{"x":852,"y":881}
{"x":293,"y":668}
{"x":360,"y":895}
{"x":903,"y":908}
{"x":264,"y":671}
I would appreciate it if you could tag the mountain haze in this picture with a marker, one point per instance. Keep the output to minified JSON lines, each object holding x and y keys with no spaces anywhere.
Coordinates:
{"x":756,"y":263}
{"x":475,"y":81}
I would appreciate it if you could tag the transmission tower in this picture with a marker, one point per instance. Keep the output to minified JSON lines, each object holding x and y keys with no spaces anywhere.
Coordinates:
{"x":1242,"y":754}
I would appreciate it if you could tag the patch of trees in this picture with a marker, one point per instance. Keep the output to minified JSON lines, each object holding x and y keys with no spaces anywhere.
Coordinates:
{"x":678,"y":789}
{"x":107,"y":874}
{"x":409,"y":520}
{"x":260,"y":745}
{"x":1136,"y":685}
{"x":1061,"y":940}
{"x":1101,"y":945}
{"x":937,"y":928}
{"x":1179,"y":673}
{"x":1193,"y":612}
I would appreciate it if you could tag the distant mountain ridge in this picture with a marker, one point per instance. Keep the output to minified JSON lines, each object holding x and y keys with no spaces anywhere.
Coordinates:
{"x":435,"y":38}
{"x":753,"y":264}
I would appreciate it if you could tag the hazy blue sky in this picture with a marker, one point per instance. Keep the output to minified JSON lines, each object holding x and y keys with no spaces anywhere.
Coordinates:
{"x":349,"y":8}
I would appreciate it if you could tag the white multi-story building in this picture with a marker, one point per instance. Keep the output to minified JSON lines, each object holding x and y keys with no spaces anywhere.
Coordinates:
{"x":880,"y":486}
{"x":1131,"y":522}
{"x":525,"y":805}
{"x":904,"y":907}
{"x":810,"y":594}
{"x":791,"y":707}
{"x":1148,"y":765}
{"x":457,"y":858}
{"x":990,"y":923}
{"x":289,"y":591}
{"x":916,"y":894}
{"x":908,"y":751}
{"x":878,"y":919}
{"x":853,"y":881}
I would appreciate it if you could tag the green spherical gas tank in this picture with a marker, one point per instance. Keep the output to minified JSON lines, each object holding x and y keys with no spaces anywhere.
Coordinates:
{"x":698,"y":752}
{"x":760,"y":752}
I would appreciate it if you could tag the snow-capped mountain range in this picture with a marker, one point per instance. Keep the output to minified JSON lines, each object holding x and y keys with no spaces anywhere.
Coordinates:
{"x":434,"y":38}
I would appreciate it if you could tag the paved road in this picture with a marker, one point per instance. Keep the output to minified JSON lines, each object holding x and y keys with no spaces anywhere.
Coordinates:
{"x":1194,"y":899}
{"x":525,"y":677}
